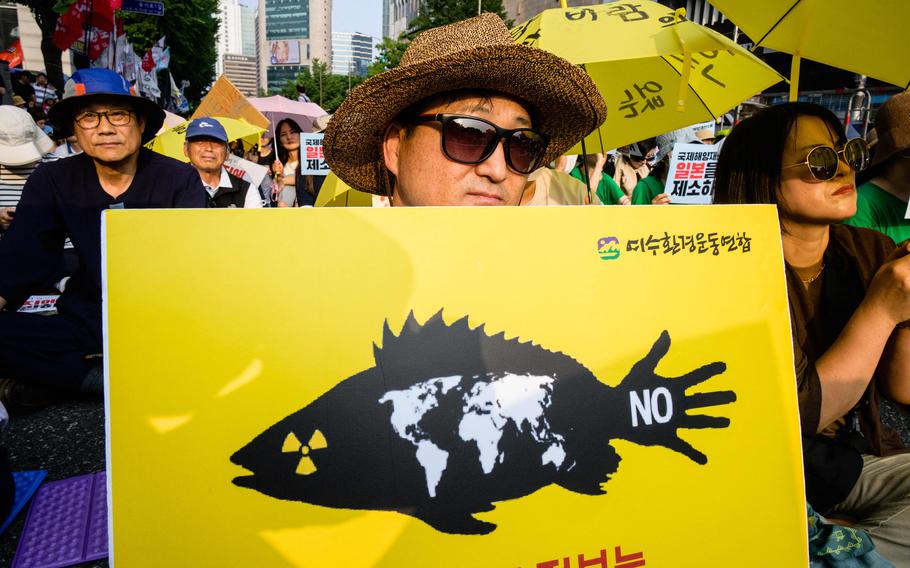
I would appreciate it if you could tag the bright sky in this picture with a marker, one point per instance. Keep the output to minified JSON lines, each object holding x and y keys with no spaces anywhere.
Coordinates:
{"x":364,"y":16}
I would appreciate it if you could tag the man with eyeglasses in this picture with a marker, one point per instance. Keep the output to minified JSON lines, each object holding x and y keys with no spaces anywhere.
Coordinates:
{"x":463,"y":120}
{"x":40,"y":356}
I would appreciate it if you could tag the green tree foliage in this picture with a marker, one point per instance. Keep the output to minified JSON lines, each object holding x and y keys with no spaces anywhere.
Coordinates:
{"x":390,"y":52}
{"x":190,"y":29}
{"x":46,"y":17}
{"x":435,"y":13}
{"x":323,"y":88}
{"x":189,"y":25}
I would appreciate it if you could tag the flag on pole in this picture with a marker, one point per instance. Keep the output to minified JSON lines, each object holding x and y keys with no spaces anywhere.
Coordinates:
{"x":13,"y":54}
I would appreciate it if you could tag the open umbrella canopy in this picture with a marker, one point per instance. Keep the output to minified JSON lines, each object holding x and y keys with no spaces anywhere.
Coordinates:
{"x":656,"y":70}
{"x":864,"y":37}
{"x":277,"y":108}
{"x":170,"y":121}
{"x":336,"y":193}
{"x":170,"y":142}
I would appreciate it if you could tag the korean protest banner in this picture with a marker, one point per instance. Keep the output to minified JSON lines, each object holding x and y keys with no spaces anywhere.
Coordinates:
{"x":250,"y":172}
{"x":690,"y":178}
{"x":312,"y":158}
{"x":456,"y":388}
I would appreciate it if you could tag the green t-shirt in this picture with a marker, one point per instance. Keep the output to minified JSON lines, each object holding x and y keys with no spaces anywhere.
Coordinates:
{"x":877,"y":209}
{"x":645,"y":190}
{"x":607,"y":190}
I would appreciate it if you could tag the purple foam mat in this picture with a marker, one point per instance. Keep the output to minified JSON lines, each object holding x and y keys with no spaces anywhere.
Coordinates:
{"x":66,"y":524}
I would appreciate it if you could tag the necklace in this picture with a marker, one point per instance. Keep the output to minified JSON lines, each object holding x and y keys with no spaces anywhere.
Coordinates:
{"x":813,"y":278}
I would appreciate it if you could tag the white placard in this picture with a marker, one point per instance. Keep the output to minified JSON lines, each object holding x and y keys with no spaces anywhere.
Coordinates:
{"x":312,"y":159}
{"x":690,"y":179}
{"x":40,"y":304}
{"x":248,"y":171}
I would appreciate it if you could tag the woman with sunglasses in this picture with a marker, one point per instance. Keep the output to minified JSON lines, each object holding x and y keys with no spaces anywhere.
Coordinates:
{"x":849,"y":293}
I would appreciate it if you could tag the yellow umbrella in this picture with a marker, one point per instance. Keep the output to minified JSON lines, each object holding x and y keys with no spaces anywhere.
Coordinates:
{"x":863,"y":37}
{"x":170,"y":142}
{"x":656,"y":70}
{"x":336,"y":193}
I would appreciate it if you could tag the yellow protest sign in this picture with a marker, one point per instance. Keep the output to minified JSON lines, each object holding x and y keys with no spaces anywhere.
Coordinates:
{"x":223,"y":99}
{"x":505,"y":387}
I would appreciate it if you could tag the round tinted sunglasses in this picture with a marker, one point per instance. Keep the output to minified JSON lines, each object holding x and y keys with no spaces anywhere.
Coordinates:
{"x":471,"y":140}
{"x":822,"y":160}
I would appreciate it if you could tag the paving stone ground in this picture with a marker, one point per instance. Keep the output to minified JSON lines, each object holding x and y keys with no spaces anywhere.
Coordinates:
{"x":66,"y":439}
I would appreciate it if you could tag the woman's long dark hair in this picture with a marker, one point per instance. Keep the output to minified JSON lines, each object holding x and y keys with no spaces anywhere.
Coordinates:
{"x":750,"y":162}
{"x":276,"y":143}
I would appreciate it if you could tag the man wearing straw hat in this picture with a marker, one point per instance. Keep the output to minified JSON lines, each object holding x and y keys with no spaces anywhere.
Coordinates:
{"x":54,"y":354}
{"x":463,"y":120}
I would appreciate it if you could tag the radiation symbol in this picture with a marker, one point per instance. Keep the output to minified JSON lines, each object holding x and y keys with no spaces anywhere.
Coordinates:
{"x":292,"y":445}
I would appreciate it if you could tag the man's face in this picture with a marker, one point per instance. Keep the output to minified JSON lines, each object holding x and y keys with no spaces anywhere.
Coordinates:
{"x":41,"y":80}
{"x":206,"y":154}
{"x":106,"y":142}
{"x":425,"y":176}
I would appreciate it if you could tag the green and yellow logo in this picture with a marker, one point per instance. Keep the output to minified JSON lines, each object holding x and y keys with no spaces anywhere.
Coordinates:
{"x":608,"y":248}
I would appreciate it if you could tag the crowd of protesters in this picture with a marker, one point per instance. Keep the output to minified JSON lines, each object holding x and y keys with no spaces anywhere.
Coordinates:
{"x":410,"y":139}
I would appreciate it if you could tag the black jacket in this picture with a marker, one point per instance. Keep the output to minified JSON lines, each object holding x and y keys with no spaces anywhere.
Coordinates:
{"x":234,"y":196}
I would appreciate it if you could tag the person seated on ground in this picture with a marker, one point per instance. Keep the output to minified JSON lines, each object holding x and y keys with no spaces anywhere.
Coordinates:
{"x":207,"y":148}
{"x":463,"y":120}
{"x":882,"y":199}
{"x":633,"y":163}
{"x":67,"y":146}
{"x":603,"y":186}
{"x":651,"y":189}
{"x":22,"y":86}
{"x":849,"y":292}
{"x":23,"y":146}
{"x":286,"y":168}
{"x":66,"y":198}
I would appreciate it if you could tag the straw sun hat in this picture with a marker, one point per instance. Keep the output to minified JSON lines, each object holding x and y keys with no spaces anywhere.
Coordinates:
{"x":478,"y":53}
{"x":892,"y":125}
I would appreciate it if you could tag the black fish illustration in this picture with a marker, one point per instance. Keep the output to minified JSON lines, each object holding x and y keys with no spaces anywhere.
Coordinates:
{"x":451,"y":420}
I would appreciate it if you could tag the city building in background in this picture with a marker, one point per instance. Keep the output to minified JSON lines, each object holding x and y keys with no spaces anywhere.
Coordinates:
{"x":243,"y":72}
{"x":236,"y":47}
{"x":295,"y":33}
{"x":352,"y":53}
{"x":397,"y":16}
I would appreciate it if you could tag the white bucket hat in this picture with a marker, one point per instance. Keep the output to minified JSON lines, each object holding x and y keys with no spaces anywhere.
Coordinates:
{"x":21,"y":140}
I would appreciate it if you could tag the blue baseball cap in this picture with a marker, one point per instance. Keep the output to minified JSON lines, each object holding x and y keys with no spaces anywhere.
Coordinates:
{"x":207,"y":127}
{"x":89,"y":85}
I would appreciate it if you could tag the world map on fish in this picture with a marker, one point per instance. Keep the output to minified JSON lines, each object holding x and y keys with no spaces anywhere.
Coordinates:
{"x":488,"y":404}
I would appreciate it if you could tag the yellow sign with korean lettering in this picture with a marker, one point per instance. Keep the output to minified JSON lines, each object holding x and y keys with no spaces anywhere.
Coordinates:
{"x":500,"y":387}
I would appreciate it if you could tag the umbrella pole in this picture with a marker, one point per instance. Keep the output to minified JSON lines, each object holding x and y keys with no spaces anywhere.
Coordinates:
{"x":584,"y":168}
{"x":794,"y":78}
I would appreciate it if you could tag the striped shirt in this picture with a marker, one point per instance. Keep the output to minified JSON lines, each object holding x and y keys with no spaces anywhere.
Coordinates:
{"x":43,"y":93}
{"x":13,"y":178}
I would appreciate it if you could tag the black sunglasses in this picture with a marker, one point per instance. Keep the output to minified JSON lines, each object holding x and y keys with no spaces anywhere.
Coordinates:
{"x":471,"y":140}
{"x":822,"y":160}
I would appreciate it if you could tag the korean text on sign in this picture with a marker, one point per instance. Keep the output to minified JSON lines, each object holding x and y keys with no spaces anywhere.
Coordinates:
{"x":312,"y":158}
{"x":690,"y":179}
